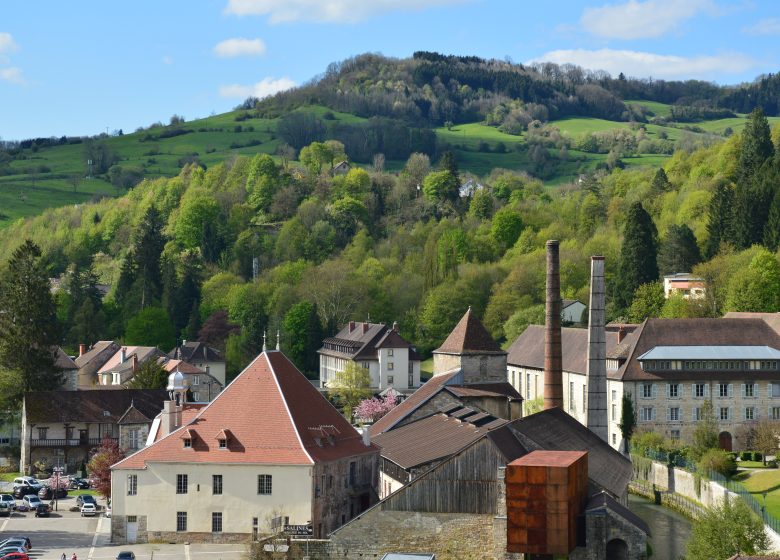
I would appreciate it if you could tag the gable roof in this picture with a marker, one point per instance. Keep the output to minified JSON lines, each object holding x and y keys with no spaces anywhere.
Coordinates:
{"x":554,"y":430}
{"x":501,"y":389}
{"x":195,"y":351}
{"x":95,"y":352}
{"x":603,"y":501}
{"x":771,"y":319}
{"x":142,"y":353}
{"x":170,"y":365}
{"x":414,"y":401}
{"x":355,"y":341}
{"x":568,"y":302}
{"x":90,"y":406}
{"x":63,"y":361}
{"x":273,"y":415}
{"x":528,"y":349}
{"x":692,"y":332}
{"x":469,"y":337}
{"x":433,"y":438}
{"x":134,"y":416}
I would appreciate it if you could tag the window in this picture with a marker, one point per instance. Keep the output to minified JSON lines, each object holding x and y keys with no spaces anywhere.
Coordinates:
{"x":723,"y":390}
{"x":724,"y":413}
{"x":187,"y":443}
{"x":132,"y":484}
{"x":614,"y":439}
{"x":571,"y":395}
{"x":647,"y":390}
{"x":411,"y":367}
{"x":750,"y":413}
{"x":216,"y":521}
{"x":749,"y":389}
{"x":776,"y":413}
{"x":411,"y":380}
{"x":364,"y":364}
{"x":647,"y":414}
{"x":674,"y":434}
{"x":674,"y":390}
{"x":196,"y":379}
{"x":389,"y":379}
{"x":181,"y":483}
{"x":528,"y":386}
{"x":134,"y":437}
{"x":584,"y":397}
{"x":352,"y":473}
{"x":216,"y":484}
{"x":181,"y":520}
{"x":132,"y":519}
{"x":776,"y":389}
{"x":223,"y":443}
{"x":390,"y":366}
{"x":698,"y":390}
{"x":674,"y":414}
{"x":614,"y":412}
{"x":614,"y":395}
{"x":264,"y":484}
{"x":42,"y":433}
{"x":196,"y":396}
{"x":697,"y":413}
{"x":389,"y":351}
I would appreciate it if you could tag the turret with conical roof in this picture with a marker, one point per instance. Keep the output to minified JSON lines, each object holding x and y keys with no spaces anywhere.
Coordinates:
{"x":470,"y":348}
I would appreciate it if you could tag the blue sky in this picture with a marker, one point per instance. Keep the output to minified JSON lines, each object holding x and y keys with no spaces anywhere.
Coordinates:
{"x":80,"y":67}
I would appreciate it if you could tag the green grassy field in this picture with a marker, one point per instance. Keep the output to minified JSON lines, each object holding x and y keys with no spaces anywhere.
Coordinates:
{"x":658,"y":109}
{"x":766,"y":481}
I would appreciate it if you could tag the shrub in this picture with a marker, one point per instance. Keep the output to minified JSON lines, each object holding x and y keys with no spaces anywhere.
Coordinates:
{"x":771,"y":464}
{"x":717,"y":460}
{"x":757,"y":456}
{"x":644,"y":441}
{"x":733,"y":455}
{"x":746,"y":455}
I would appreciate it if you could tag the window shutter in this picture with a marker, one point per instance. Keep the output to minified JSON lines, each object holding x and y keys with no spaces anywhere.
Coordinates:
{"x":756,"y":414}
{"x":744,"y":390}
{"x":731,"y":417}
{"x":680,"y":414}
{"x":731,"y":390}
{"x":668,"y":413}
{"x":707,"y":390}
{"x":654,"y":390}
{"x":652,"y":413}
{"x":668,"y":390}
{"x":693,"y":390}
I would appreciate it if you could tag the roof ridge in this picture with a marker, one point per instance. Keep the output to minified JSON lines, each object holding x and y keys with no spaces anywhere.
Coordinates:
{"x":286,"y":406}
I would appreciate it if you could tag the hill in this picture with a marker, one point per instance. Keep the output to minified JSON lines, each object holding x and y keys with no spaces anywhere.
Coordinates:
{"x":552,"y":122}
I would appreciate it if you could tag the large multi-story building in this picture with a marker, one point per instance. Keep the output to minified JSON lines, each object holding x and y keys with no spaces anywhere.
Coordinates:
{"x":390,"y":361}
{"x":268,"y":451}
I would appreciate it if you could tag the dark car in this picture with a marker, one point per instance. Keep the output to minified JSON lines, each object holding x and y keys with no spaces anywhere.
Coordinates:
{"x":42,"y":510}
{"x":126,"y":555}
{"x":79,"y":484}
{"x":22,"y":491}
{"x":85,"y":499}
{"x":48,"y":493}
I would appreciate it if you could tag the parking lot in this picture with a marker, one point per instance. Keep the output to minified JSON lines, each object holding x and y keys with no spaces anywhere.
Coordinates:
{"x":89,"y":537}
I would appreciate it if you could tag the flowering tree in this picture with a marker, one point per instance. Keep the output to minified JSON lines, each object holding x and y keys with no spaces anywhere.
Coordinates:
{"x":371,"y":410}
{"x":100,"y":465}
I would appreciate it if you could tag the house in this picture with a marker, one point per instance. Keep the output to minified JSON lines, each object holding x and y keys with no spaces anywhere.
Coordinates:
{"x":201,"y":356}
{"x":684,"y":283}
{"x":470,"y":187}
{"x":68,"y":368}
{"x":571,"y":312}
{"x":90,"y":360}
{"x":341,"y":168}
{"x":268,"y":451}
{"x":60,"y":428}
{"x":203,"y":386}
{"x":389,"y":359}
{"x":122,"y":366}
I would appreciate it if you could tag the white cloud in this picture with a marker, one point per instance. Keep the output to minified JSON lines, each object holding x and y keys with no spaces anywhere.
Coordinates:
{"x":327,"y":11}
{"x":263,"y":88}
{"x":645,"y":64}
{"x":12,"y":74}
{"x":641,"y":20}
{"x":239,"y":47}
{"x":7,"y":43}
{"x":769,"y":26}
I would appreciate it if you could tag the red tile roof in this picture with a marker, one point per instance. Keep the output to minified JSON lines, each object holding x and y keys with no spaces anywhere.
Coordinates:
{"x":469,"y":337}
{"x":414,"y":401}
{"x":273,"y":415}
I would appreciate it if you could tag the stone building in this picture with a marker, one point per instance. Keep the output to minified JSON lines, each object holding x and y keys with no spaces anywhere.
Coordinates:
{"x":60,"y":428}
{"x":268,"y":451}
{"x":391,"y":361}
{"x":90,"y":360}
{"x":203,"y":357}
{"x":120,"y":368}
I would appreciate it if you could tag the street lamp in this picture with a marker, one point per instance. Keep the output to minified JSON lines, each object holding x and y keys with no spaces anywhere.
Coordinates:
{"x":57,"y":472}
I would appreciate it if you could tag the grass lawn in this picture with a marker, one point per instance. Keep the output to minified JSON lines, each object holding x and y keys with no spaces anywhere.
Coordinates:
{"x":766,"y":481}
{"x":9,"y":476}
{"x":577,"y":126}
{"x":426,"y":369}
{"x":658,"y":109}
{"x":752,"y":465}
{"x":90,"y":492}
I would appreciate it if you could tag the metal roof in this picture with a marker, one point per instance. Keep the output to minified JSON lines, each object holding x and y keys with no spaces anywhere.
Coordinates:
{"x":711,"y":353}
{"x":403,"y":556}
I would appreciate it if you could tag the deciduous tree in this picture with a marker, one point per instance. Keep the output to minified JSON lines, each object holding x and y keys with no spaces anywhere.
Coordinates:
{"x":725,"y":530}
{"x":99,"y":466}
{"x":349,"y":387}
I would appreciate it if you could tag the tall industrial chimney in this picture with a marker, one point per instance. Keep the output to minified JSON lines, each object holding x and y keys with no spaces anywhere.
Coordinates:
{"x":553,"y":367}
{"x":597,"y":352}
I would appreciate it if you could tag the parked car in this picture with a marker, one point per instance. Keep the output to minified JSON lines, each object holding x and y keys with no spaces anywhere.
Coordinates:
{"x":42,"y":510}
{"x":21,"y":491}
{"x":5,"y":551}
{"x":126,"y":555}
{"x":31,"y":502}
{"x":28,"y":482}
{"x":5,"y":509}
{"x":19,"y":542}
{"x":9,"y":499}
{"x":48,"y":493}
{"x":88,"y":510}
{"x":85,"y":499}
{"x":15,"y":556}
{"x":79,"y":484}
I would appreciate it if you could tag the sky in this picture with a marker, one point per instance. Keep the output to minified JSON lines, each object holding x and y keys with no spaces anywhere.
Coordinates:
{"x":81,"y":67}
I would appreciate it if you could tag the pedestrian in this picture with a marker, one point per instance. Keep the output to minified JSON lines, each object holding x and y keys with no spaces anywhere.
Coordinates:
{"x":63,"y":557}
{"x":74,"y":557}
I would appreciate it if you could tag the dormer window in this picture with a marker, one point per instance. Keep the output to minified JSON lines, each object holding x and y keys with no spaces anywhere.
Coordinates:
{"x":222,"y":443}
{"x":187,"y":443}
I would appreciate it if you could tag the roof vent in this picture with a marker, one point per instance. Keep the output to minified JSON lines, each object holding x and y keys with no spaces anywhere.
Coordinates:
{"x":106,"y":413}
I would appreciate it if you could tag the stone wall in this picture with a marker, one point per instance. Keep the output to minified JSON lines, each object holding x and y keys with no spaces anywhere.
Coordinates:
{"x":681,"y":482}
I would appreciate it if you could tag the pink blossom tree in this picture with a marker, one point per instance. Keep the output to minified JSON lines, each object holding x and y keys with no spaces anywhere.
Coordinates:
{"x":371,"y":410}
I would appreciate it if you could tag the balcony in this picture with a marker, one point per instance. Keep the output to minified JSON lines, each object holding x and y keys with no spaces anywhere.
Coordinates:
{"x":75,"y":442}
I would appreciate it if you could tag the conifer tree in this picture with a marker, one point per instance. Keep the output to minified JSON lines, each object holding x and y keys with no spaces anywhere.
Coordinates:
{"x":679,"y":251}
{"x":772,"y":227}
{"x":147,"y":250}
{"x":720,"y":216}
{"x":638,"y":255}
{"x":29,"y":330}
{"x":660,"y":182}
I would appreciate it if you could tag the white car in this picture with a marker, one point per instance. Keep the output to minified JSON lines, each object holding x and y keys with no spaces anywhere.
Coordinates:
{"x":8,"y":499}
{"x":31,"y":501}
{"x":27,"y":481}
{"x":88,"y":510}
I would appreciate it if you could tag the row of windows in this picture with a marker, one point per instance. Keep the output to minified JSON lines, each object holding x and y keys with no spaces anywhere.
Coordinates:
{"x":749,"y":389}
{"x":264,"y":484}
{"x":701,"y":365}
{"x":216,"y":521}
{"x":724,"y":413}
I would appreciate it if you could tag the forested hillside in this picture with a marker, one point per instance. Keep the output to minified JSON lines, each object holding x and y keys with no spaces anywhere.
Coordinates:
{"x":252,"y":245}
{"x":551,"y":122}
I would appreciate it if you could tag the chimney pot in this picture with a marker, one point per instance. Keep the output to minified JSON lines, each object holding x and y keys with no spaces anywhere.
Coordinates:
{"x":366,"y":437}
{"x":365,"y":328}
{"x":395,"y":326}
{"x":621,"y":334}
{"x":82,"y":349}
{"x":351,"y":326}
{"x":122,"y":355}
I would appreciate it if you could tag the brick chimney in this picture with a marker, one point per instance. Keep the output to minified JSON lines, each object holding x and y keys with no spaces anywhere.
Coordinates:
{"x":553,"y":368}
{"x":597,"y":420}
{"x":82,"y":349}
{"x":365,"y":327}
{"x":621,"y":334}
{"x":351,"y":326}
